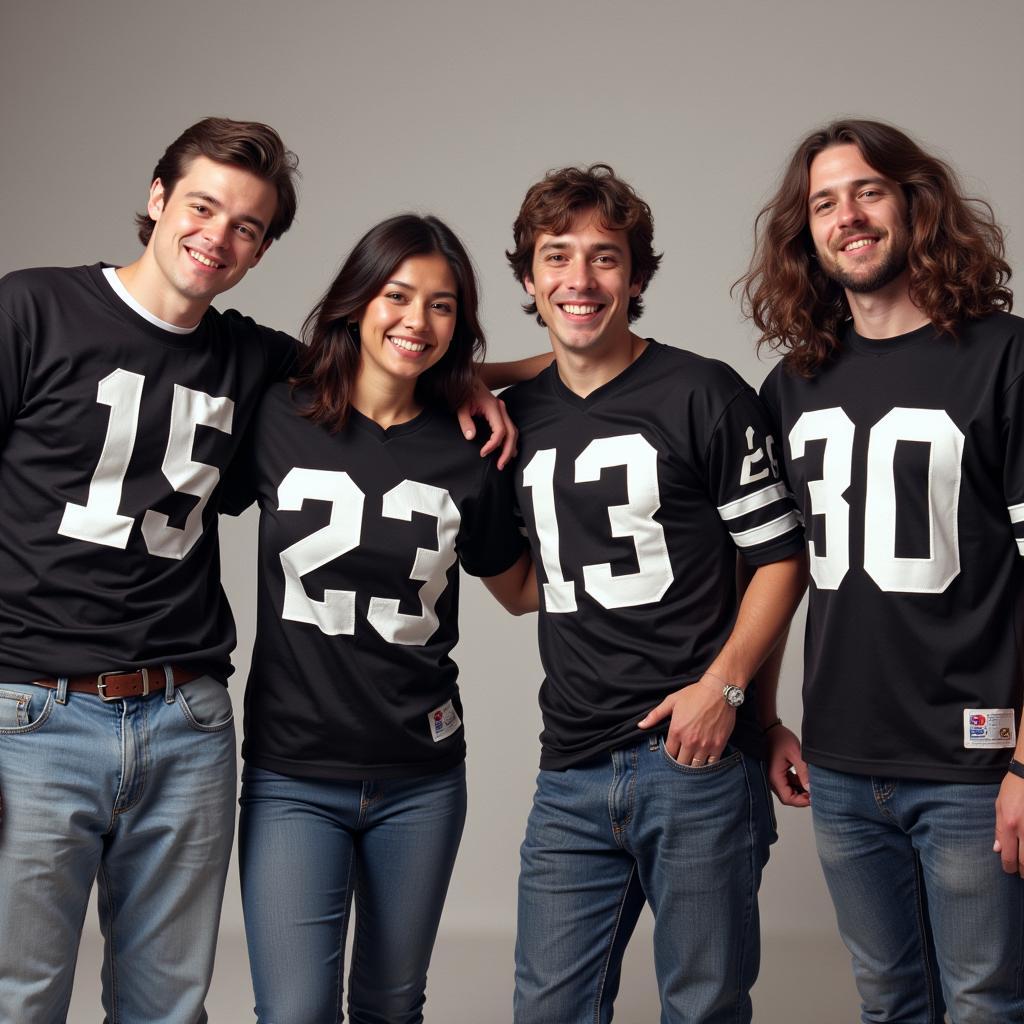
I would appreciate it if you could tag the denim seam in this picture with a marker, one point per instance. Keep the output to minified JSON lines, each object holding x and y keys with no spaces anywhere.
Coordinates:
{"x":339,"y":1013}
{"x":123,"y":773}
{"x":926,"y":967}
{"x":111,"y":948}
{"x":603,"y":976}
{"x":751,"y":897}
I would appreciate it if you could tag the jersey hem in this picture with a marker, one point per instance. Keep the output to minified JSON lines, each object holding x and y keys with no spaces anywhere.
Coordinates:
{"x":898,"y":770}
{"x":353,"y":773}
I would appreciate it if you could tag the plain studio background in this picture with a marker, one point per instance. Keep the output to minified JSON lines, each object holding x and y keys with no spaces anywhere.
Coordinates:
{"x":455,"y":108}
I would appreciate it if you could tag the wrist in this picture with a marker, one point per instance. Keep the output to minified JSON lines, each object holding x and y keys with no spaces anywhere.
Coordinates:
{"x":1015,"y":767}
{"x":732,"y":693}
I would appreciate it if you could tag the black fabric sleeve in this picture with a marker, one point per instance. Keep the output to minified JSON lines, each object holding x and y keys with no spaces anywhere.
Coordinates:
{"x":752,"y":500}
{"x":490,"y":541}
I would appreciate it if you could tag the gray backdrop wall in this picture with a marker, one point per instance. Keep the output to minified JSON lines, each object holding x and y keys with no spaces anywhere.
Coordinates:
{"x":455,"y":108}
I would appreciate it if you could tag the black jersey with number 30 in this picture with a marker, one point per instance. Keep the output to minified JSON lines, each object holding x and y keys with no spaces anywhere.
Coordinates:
{"x":907,"y":457}
{"x":361,"y":533}
{"x":636,"y":500}
{"x":115,"y":433}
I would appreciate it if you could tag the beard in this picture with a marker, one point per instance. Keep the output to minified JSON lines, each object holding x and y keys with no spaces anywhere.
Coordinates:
{"x":894,"y":263}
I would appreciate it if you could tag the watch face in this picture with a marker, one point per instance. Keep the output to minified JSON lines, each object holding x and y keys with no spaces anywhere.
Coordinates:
{"x":733,"y":696}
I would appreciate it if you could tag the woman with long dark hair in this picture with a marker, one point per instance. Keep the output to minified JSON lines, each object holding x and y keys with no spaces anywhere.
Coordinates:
{"x":354,"y":783}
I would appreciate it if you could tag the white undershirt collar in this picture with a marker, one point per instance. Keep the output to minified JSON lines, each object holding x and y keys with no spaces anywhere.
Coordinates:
{"x":110,"y":273}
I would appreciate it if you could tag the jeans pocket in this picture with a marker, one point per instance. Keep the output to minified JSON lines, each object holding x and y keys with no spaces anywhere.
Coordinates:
{"x":206,"y":704}
{"x":24,"y":708}
{"x":730,"y":756}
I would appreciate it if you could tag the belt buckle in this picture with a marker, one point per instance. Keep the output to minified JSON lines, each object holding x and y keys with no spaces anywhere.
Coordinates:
{"x":101,"y":683}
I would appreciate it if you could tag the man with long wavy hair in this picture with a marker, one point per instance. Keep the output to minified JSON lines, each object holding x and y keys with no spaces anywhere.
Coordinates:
{"x":900,"y":407}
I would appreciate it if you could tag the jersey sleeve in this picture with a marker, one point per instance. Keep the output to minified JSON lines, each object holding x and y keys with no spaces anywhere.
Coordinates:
{"x":14,"y":365}
{"x":751,"y":497}
{"x":1013,"y":458}
{"x":282,"y":352}
{"x":490,"y":541}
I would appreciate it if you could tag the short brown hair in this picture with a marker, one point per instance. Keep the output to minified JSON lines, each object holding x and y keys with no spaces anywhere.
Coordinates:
{"x":551,"y":205}
{"x":252,"y":146}
{"x":956,"y":255}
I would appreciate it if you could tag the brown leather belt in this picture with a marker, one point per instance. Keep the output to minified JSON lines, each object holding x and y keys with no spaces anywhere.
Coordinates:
{"x":119,"y":684}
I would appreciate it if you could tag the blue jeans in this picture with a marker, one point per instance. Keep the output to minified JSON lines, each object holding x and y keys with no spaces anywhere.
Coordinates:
{"x":923,"y":904}
{"x":305,"y":846}
{"x":629,"y":826}
{"x":139,"y":794}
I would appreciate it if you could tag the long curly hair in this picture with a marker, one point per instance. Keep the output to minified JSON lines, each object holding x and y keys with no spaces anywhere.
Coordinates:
{"x":955,"y":259}
{"x":330,"y":360}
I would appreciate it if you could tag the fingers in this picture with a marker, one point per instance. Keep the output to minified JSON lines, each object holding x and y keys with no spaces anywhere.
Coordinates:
{"x":659,"y":714}
{"x":503,"y":433}
{"x":466,"y":424}
{"x":1010,"y":851}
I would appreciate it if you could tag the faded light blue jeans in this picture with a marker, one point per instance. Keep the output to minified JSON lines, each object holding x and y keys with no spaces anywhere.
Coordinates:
{"x":930,"y":918}
{"x":306,"y":847}
{"x":632,"y":826}
{"x":139,"y":795}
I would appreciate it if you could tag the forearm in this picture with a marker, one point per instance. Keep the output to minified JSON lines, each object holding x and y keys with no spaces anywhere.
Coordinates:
{"x":503,"y":375}
{"x":757,"y":639}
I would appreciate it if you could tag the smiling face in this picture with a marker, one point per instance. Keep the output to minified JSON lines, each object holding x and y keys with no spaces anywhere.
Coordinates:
{"x":858,"y":220}
{"x":209,"y":232}
{"x":407,"y":327}
{"x":581,"y":282}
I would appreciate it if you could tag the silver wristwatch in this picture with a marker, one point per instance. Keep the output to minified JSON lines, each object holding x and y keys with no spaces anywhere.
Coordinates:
{"x":733,"y":695}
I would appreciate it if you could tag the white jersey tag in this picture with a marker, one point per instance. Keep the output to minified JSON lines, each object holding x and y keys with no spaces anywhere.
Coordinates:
{"x":989,"y":727}
{"x":444,"y":721}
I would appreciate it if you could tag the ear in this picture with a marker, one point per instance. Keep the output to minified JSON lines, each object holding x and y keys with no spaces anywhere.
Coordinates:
{"x":155,"y":206}
{"x":528,"y":285}
{"x":636,"y":287}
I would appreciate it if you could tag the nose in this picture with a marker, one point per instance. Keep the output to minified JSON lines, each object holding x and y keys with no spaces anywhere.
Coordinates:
{"x":581,"y":275}
{"x":215,"y":232}
{"x":849,"y":212}
{"x":416,"y":316}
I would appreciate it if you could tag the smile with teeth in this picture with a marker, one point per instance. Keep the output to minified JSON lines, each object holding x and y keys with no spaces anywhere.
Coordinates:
{"x":406,"y":344}
{"x":204,"y":260}
{"x":860,"y":243}
{"x":579,"y":309}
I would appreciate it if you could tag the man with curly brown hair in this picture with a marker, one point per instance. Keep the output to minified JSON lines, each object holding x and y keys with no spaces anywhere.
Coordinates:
{"x":899,"y":404}
{"x":643,"y":470}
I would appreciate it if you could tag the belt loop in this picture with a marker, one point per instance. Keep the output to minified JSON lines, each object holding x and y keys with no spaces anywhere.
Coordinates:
{"x":62,"y":690}
{"x":653,"y":742}
{"x":169,"y":690}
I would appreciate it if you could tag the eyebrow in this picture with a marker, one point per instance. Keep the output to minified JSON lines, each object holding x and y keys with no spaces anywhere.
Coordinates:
{"x":436,"y":295}
{"x":859,"y":183}
{"x":213,"y":201}
{"x":602,"y":247}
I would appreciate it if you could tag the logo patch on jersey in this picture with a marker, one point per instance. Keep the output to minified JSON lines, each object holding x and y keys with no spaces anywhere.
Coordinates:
{"x":989,"y":727}
{"x":444,"y":721}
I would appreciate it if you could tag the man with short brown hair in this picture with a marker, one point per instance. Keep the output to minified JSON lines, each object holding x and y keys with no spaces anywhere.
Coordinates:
{"x":123,"y":396}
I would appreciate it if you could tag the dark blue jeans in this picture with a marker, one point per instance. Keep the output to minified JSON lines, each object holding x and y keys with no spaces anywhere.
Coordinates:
{"x":305,"y":847}
{"x":923,"y":904}
{"x":630,"y":826}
